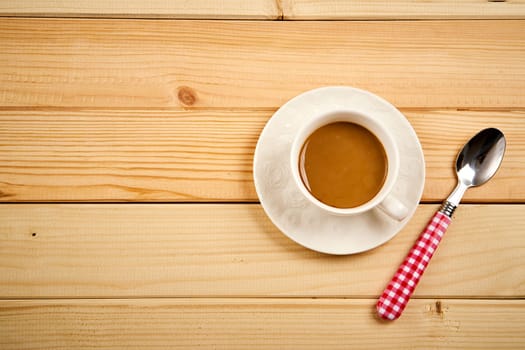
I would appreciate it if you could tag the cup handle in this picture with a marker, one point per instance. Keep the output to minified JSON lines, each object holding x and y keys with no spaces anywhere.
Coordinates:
{"x":393,"y":208}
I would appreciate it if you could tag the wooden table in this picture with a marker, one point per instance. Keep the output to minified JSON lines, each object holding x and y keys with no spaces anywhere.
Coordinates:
{"x":129,"y":217}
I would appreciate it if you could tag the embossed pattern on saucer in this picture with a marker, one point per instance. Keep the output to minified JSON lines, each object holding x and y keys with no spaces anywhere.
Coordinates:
{"x":291,"y":212}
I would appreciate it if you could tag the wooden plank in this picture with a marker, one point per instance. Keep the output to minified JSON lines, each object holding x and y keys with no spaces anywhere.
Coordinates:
{"x":268,"y":9}
{"x":181,"y":64}
{"x":259,"y":324}
{"x":119,"y":155}
{"x":107,"y":250}
{"x":402,"y":9}
{"x":128,"y":156}
{"x":195,"y":9}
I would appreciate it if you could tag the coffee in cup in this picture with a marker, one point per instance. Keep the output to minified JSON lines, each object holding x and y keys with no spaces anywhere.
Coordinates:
{"x":347,"y":163}
{"x":343,"y":164}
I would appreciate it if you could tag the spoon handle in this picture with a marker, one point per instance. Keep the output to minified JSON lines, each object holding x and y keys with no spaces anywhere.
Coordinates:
{"x":396,"y":295}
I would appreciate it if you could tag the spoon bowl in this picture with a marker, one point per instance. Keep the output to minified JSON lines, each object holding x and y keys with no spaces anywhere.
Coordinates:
{"x":481,"y":157}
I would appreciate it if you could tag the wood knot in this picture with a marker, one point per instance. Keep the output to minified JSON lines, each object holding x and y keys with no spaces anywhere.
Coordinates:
{"x":186,"y":95}
{"x":4,"y":194}
{"x":439,"y":308}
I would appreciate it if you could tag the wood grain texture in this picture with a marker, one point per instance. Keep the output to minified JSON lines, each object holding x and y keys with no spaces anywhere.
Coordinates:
{"x":259,"y":324}
{"x":217,"y":64}
{"x":209,"y":9}
{"x":128,"y":156}
{"x":140,"y":155}
{"x":268,"y":9}
{"x":402,"y":9}
{"x":196,"y":250}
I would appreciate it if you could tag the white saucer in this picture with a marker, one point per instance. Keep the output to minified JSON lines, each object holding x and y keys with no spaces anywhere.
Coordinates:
{"x":302,"y":221}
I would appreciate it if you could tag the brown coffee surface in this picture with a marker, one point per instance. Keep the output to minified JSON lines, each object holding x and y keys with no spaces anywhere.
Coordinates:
{"x":343,"y":164}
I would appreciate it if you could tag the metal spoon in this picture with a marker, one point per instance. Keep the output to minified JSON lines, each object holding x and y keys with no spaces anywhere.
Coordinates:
{"x":477,"y":162}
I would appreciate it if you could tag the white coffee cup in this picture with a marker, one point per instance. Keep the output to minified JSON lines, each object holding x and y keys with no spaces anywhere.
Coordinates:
{"x":383,"y":200}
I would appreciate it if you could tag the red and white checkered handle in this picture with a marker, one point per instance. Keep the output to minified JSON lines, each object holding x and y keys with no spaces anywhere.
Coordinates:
{"x":396,"y":295}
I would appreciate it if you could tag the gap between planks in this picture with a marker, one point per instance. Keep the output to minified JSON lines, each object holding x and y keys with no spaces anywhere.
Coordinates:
{"x":256,"y":297}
